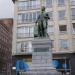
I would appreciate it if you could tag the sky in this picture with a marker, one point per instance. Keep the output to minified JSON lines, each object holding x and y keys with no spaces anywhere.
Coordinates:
{"x":6,"y":9}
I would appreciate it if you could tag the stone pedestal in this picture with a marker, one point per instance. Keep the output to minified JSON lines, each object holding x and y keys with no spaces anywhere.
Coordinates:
{"x":42,"y":58}
{"x":42,"y":55}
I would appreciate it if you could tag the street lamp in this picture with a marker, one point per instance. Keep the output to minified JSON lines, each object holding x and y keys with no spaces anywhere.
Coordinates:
{"x":13,"y":70}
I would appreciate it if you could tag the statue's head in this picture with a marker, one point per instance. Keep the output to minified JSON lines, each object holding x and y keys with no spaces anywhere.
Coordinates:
{"x":43,"y":8}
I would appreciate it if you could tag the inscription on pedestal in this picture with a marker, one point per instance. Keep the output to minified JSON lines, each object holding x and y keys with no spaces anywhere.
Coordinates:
{"x":41,"y":49}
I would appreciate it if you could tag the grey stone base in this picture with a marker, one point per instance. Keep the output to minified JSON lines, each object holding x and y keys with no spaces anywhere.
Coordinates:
{"x":41,"y":72}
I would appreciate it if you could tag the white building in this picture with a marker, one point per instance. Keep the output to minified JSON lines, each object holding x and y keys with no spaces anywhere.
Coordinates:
{"x":61,"y":28}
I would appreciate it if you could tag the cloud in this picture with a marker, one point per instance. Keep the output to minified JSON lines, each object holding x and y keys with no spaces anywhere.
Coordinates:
{"x":6,"y":9}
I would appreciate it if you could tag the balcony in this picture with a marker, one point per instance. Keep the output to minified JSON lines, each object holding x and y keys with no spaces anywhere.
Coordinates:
{"x":23,"y":8}
{"x":72,"y":3}
{"x":24,"y":51}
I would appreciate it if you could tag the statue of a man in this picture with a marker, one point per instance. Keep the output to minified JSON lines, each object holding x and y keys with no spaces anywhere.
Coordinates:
{"x":40,"y":29}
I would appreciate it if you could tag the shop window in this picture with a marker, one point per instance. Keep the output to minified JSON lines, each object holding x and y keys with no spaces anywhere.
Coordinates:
{"x":62,"y":65}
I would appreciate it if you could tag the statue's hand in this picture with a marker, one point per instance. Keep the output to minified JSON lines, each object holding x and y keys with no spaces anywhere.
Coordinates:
{"x":35,"y":22}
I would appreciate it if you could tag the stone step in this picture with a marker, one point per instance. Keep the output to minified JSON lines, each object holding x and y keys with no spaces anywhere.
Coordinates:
{"x":43,"y":72}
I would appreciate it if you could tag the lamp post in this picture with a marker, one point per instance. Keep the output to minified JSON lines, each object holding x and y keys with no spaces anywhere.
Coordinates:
{"x":13,"y":70}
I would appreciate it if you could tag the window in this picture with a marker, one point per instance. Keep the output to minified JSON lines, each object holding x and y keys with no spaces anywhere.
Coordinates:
{"x":73,"y":44}
{"x":31,"y":31}
{"x":52,"y":43}
{"x":50,"y":15}
{"x":18,"y":47}
{"x":48,"y":3}
{"x":63,"y":43}
{"x":62,"y":15}
{"x":62,"y":28}
{"x":20,"y":30}
{"x":73,"y":41}
{"x":25,"y":32}
{"x":23,"y":47}
{"x":19,"y":18}
{"x":50,"y":29}
{"x":73,"y":13}
{"x":30,"y":47}
{"x":31,"y":4}
{"x":37,"y":3}
{"x":61,"y":2}
{"x":37,"y":14}
{"x":73,"y":2}
{"x":34,"y":16}
{"x":73,"y":27}
{"x":23,"y":17}
{"x":34,"y":4}
{"x":21,"y":5}
{"x":28,"y":17}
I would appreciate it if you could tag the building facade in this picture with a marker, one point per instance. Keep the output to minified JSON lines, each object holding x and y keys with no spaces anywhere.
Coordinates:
{"x":61,"y":30}
{"x":5,"y":46}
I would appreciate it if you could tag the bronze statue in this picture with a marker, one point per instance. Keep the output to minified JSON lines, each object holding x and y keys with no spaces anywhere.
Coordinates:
{"x":40,"y":29}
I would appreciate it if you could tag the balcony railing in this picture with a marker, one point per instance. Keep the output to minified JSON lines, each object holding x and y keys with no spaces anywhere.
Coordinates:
{"x":23,"y":8}
{"x":24,"y":51}
{"x":26,"y":21}
{"x":63,"y":32}
{"x":23,"y":35}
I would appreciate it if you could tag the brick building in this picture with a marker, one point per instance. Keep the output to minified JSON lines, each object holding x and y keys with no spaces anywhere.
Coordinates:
{"x":5,"y":45}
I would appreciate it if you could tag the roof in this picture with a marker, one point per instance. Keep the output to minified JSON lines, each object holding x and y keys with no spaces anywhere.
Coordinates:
{"x":6,"y":22}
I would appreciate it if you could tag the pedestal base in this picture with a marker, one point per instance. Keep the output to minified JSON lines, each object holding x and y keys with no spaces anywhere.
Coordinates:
{"x":41,"y":72}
